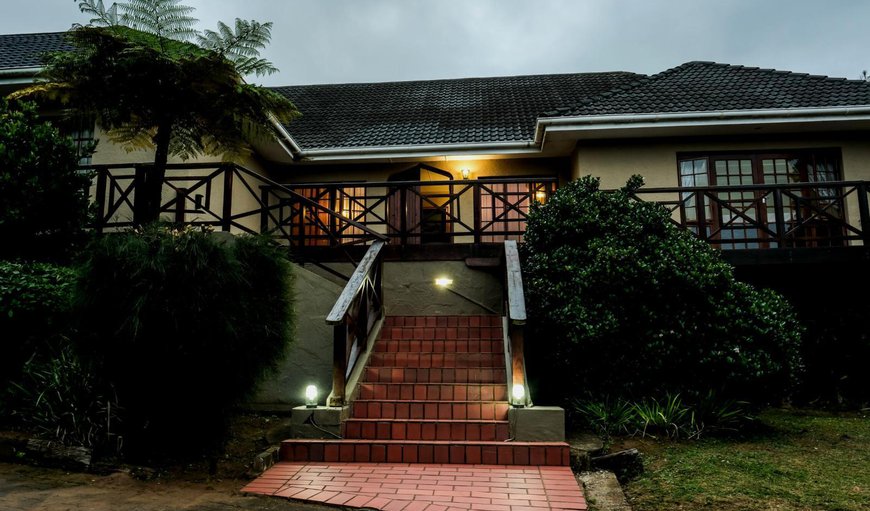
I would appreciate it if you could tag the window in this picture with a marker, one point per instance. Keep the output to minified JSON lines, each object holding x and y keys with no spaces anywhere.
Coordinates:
{"x":81,"y":130}
{"x":742,"y":214}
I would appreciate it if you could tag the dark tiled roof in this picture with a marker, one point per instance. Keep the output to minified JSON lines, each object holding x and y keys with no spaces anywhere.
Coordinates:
{"x":472,"y":110}
{"x":709,"y":86}
{"x":24,"y":50}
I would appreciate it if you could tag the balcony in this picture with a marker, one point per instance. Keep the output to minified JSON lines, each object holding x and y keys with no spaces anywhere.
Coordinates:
{"x":467,"y":218}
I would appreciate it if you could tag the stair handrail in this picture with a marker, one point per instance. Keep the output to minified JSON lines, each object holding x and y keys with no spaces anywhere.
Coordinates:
{"x":357,"y":310}
{"x":515,"y":309}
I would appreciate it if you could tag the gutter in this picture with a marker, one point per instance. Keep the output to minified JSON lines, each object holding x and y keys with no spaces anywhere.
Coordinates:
{"x":697,"y":119}
{"x":421,"y":150}
{"x":19,"y":76}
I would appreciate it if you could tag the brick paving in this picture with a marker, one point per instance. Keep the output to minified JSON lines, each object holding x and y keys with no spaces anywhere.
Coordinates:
{"x":419,"y":487}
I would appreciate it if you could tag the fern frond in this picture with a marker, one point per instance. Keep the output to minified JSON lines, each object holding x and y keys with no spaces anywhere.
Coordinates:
{"x":163,"y":18}
{"x":241,"y":45}
{"x":102,"y":17}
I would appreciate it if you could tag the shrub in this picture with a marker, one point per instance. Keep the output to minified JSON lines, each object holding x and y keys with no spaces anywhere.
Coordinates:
{"x":670,"y":417}
{"x":622,"y":302}
{"x":184,"y":324}
{"x":35,"y":301}
{"x":44,"y":195}
{"x":60,"y":399}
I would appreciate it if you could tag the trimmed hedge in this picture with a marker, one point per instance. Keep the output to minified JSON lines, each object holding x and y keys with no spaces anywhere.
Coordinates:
{"x":624,"y":303}
{"x":184,"y":324}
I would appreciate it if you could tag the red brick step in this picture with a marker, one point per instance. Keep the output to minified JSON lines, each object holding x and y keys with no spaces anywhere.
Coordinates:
{"x":439,"y":346}
{"x":437,"y":360}
{"x":377,"y":451}
{"x":434,"y":391}
{"x":430,"y":409}
{"x":433,"y":375}
{"x":426,"y":429}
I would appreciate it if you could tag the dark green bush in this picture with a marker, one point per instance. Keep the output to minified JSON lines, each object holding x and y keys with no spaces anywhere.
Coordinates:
{"x":183,"y":324}
{"x":624,"y":303}
{"x":35,"y":302}
{"x":44,"y":196}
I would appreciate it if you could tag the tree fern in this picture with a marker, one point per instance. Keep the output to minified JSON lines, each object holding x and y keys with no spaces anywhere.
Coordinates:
{"x":153,"y":81}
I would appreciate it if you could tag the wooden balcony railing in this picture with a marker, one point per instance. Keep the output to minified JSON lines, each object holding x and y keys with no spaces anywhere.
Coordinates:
{"x":227,"y":197}
{"x":354,"y":315}
{"x":793,"y":215}
{"x":422,"y":212}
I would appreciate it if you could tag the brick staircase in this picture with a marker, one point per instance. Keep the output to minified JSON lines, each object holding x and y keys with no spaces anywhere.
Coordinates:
{"x":434,"y":391}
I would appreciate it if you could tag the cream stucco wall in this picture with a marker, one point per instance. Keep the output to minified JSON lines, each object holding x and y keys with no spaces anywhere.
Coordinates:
{"x":656,"y":160}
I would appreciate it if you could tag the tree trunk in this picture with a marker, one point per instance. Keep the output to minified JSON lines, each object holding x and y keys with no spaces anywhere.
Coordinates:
{"x":149,"y":193}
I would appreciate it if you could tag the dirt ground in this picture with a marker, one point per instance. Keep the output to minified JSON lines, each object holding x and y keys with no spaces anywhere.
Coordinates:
{"x":180,"y":486}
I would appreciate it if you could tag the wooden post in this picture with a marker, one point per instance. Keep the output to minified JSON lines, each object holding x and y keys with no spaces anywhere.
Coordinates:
{"x":518,"y":359}
{"x":702,"y":215}
{"x":403,"y":207}
{"x":780,"y":218}
{"x":477,"y":213}
{"x":864,"y":213}
{"x":180,"y":202}
{"x":102,"y":176}
{"x":226,"y":220}
{"x":141,"y":195}
{"x":339,"y":364}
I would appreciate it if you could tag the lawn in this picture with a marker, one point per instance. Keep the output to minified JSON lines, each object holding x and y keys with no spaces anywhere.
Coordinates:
{"x":800,"y":460}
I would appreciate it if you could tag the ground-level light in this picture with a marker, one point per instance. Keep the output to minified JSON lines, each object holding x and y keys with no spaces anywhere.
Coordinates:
{"x":443,"y":281}
{"x":311,"y":396}
{"x":518,"y":392}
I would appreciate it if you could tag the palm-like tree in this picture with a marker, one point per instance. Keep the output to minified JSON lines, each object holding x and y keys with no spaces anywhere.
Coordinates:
{"x":153,"y":81}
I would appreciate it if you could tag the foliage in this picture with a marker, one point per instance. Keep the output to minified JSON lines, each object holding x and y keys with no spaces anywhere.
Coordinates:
{"x":625,"y":303}
{"x":135,"y":69}
{"x":669,"y":418}
{"x":35,"y":303}
{"x":184,"y":324}
{"x":797,"y":460}
{"x":62,"y":400}
{"x":44,"y":196}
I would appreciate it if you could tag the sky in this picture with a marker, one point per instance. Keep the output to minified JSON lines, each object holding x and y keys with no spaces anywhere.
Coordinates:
{"x":338,"y":41}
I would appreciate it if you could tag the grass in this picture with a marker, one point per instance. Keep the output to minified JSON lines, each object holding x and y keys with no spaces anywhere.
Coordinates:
{"x":799,"y":460}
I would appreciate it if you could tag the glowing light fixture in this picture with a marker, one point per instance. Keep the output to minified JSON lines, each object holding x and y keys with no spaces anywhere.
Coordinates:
{"x":443,"y":281}
{"x":541,"y":196}
{"x":311,"y":396}
{"x":518,"y":392}
{"x":465,"y":173}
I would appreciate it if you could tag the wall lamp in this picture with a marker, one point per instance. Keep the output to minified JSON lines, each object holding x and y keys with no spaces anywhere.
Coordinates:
{"x":446,"y":282}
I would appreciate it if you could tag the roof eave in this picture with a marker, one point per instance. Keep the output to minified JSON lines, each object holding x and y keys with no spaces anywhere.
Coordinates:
{"x":659,"y":121}
{"x":419,"y":151}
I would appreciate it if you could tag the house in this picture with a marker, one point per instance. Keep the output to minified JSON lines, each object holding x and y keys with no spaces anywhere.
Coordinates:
{"x":769,"y":166}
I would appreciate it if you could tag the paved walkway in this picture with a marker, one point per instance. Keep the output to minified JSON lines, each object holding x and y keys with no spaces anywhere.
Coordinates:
{"x":424,"y":487}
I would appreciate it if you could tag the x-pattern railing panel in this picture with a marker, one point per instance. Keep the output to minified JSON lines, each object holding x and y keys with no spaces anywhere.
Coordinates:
{"x":771,"y":215}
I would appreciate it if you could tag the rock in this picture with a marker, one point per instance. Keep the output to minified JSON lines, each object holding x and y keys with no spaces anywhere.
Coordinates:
{"x":55,"y":453}
{"x":583,"y":447}
{"x":603,"y":491}
{"x":264,"y":461}
{"x":625,"y":464}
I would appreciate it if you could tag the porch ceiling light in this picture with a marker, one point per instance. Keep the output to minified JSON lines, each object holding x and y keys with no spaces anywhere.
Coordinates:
{"x":443,"y":281}
{"x":518,"y":392}
{"x":465,"y":173}
{"x":311,"y":396}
